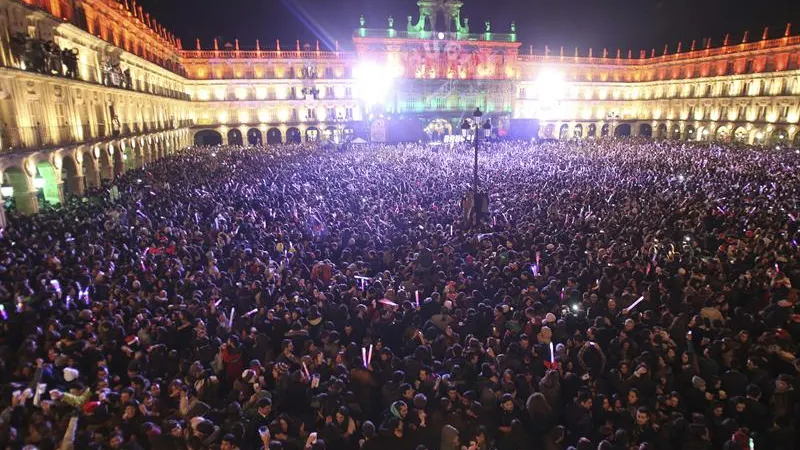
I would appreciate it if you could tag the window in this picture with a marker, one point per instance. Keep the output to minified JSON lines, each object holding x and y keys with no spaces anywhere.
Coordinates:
{"x":329,"y":72}
{"x":522,"y":93}
{"x":785,"y":112}
{"x":330,"y":114}
{"x":311,"y":114}
{"x":348,"y":92}
{"x":348,"y":113}
{"x":748,"y":66}
{"x":329,"y":92}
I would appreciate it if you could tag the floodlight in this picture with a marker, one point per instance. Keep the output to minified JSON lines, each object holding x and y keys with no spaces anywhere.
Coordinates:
{"x":374,"y":81}
{"x":551,"y":85}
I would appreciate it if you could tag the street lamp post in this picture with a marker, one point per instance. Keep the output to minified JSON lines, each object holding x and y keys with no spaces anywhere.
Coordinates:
{"x":466,"y":126}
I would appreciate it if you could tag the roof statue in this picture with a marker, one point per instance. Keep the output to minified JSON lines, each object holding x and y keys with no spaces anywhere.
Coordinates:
{"x":430,"y":11}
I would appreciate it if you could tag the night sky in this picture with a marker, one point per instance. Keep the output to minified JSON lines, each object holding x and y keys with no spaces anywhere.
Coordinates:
{"x":634,"y":24}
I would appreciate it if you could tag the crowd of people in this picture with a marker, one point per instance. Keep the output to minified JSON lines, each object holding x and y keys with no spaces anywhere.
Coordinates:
{"x":620,"y":294}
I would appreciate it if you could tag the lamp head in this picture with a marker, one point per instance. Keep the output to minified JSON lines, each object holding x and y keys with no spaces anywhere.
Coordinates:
{"x":477,"y":114}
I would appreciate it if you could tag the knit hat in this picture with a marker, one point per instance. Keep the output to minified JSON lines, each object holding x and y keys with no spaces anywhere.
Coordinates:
{"x":70,"y":374}
{"x":550,"y":318}
{"x":698,"y":382}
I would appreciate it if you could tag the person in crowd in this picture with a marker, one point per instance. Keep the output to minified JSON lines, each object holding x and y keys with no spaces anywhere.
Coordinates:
{"x":620,"y":294}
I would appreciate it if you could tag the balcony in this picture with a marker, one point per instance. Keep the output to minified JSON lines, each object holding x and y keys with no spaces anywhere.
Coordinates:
{"x":43,"y":137}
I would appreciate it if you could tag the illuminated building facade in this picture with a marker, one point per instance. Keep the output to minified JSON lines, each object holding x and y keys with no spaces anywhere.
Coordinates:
{"x":89,"y":88}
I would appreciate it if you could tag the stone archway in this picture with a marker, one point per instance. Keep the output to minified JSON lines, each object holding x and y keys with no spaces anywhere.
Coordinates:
{"x":312,"y":134}
{"x":592,"y":132}
{"x":254,"y":137}
{"x":563,"y":132}
{"x":293,"y":135}
{"x":106,"y":164}
{"x":604,"y":130}
{"x":623,"y":130}
{"x":662,"y":131}
{"x":779,"y":137}
{"x":577,"y":132}
{"x":207,"y":137}
{"x":23,"y":197}
{"x":90,"y":167}
{"x":549,"y":131}
{"x":676,"y":132}
{"x":74,"y":181}
{"x":50,"y":189}
{"x":119,"y":159}
{"x":235,"y":137}
{"x":722,"y":134}
{"x":645,"y":130}
{"x":274,"y":136}
{"x":740,"y":135}
{"x":690,"y":133}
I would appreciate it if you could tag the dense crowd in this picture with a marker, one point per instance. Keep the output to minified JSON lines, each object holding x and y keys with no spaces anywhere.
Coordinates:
{"x":619,"y":294}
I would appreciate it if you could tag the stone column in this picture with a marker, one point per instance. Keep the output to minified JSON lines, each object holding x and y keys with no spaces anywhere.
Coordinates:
{"x":27,"y":202}
{"x":93,"y":178}
{"x":76,"y":185}
{"x":3,"y":221}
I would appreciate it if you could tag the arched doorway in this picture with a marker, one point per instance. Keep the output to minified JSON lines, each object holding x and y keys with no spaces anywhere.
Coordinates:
{"x":577,"y":132}
{"x":119,"y":160}
{"x":293,"y":135}
{"x":759,"y":138}
{"x":332,"y":134}
{"x":662,"y":131}
{"x":254,"y":137}
{"x":106,"y":165}
{"x":676,"y":132}
{"x":312,"y":134}
{"x":779,"y":137}
{"x":273,"y":136}
{"x":563,"y":132}
{"x":549,"y":131}
{"x":722,"y":134}
{"x":740,"y":135}
{"x":235,"y":137}
{"x":20,"y":197}
{"x":690,"y":134}
{"x":207,"y":137}
{"x":623,"y":130}
{"x":50,"y":191}
{"x":604,"y":130}
{"x":592,"y":130}
{"x":645,"y":130}
{"x":74,"y":182}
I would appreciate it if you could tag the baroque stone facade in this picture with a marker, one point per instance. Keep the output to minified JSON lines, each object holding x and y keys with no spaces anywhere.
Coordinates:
{"x":89,"y":88}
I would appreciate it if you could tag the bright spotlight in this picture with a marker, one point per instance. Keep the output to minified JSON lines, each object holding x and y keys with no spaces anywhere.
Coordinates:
{"x":374,"y":81}
{"x":551,"y":85}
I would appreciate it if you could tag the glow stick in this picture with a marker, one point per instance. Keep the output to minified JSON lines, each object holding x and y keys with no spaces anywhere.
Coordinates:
{"x":216,"y":303}
{"x":538,"y":256}
{"x":451,"y":230}
{"x":552,"y":354}
{"x":364,"y":356}
{"x":640,"y":300}
{"x":230,"y":319}
{"x":251,"y":312}
{"x":792,"y":217}
{"x":416,"y":294}
{"x":777,"y":268}
{"x":369,"y":355}
{"x":305,"y":369}
{"x":535,"y":269}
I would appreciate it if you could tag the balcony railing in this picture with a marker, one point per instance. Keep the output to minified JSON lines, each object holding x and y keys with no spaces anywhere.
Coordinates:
{"x":37,"y":137}
{"x":264,"y":54}
{"x":452,"y":36}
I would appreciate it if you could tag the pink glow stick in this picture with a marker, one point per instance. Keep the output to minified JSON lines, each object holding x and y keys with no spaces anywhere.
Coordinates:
{"x":552,"y":354}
